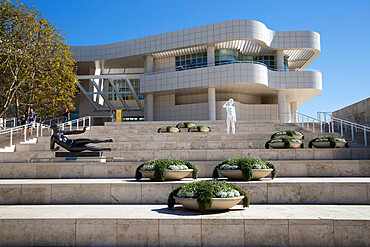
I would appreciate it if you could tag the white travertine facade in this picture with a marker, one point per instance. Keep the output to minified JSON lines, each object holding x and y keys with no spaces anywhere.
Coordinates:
{"x":185,"y":74}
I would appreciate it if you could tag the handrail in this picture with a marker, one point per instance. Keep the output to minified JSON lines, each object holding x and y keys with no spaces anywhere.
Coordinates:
{"x":344,"y":123}
{"x":8,"y":120}
{"x":299,"y":118}
{"x":234,"y":62}
{"x":341,"y":119}
{"x":85,"y":122}
{"x":53,"y":119}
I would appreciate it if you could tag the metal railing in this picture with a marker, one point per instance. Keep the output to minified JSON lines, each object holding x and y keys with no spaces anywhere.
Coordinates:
{"x":343,"y":125}
{"x":234,"y":62}
{"x":38,"y":129}
{"x":8,"y":122}
{"x":56,"y":120}
{"x":77,"y":123}
{"x":303,"y":120}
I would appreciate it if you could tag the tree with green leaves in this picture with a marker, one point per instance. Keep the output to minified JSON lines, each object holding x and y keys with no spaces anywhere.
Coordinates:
{"x":37,"y":68}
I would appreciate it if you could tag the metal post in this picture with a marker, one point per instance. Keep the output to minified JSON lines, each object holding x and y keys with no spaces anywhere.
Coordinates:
{"x":332,"y":125}
{"x":313,"y":126}
{"x":77,"y":123}
{"x":14,"y":122}
{"x":365,"y":139}
{"x":83,"y":122}
{"x":341,"y":127}
{"x":11,"y":137}
{"x":25,"y":132}
{"x":40,"y":130}
{"x":353,"y":135}
{"x":37,"y":129}
{"x":70,"y":125}
{"x":320,"y":126}
{"x":89,"y":121}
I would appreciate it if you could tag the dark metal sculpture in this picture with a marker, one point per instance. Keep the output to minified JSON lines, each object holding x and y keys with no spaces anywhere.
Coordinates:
{"x":77,"y":145}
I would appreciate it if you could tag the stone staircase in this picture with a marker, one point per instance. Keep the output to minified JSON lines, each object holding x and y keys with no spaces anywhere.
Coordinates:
{"x":320,"y":197}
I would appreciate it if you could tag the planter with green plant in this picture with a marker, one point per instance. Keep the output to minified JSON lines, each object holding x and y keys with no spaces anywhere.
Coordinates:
{"x":200,"y":128}
{"x":292,"y":133}
{"x":168,"y":129}
{"x":186,"y":125}
{"x":244,"y":168}
{"x":208,"y":195}
{"x":284,"y":142}
{"x":328,"y":142}
{"x":165,"y":169}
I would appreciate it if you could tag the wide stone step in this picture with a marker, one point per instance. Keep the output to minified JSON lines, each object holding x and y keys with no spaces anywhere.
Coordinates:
{"x":183,"y":136}
{"x":215,"y":154}
{"x":285,"y":168}
{"x":130,"y":191}
{"x":156,"y":225}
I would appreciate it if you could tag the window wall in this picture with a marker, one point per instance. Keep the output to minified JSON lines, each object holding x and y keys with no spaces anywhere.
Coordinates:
{"x":191,"y":61}
{"x":122,"y":86}
{"x":225,"y":56}
{"x":228,"y":56}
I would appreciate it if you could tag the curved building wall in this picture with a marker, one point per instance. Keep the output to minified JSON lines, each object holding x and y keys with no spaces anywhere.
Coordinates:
{"x":166,"y":109}
{"x":229,"y":30}
{"x":231,"y":73}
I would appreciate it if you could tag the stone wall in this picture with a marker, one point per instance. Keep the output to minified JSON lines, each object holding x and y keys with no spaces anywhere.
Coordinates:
{"x":359,"y":112}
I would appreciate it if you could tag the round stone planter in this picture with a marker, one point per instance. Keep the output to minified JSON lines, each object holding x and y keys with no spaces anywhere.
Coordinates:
{"x":281,"y":144}
{"x":170,"y":174}
{"x":183,"y":125}
{"x":217,"y":203}
{"x":237,"y":174}
{"x":204,"y":130}
{"x":327,"y":144}
{"x":174,"y":130}
{"x":299,"y":137}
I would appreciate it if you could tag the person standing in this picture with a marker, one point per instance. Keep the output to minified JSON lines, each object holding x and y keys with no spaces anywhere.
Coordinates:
{"x":31,"y":120}
{"x":23,"y":121}
{"x":66,"y":115}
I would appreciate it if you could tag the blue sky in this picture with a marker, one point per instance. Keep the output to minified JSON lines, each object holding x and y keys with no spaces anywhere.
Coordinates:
{"x":344,"y":27}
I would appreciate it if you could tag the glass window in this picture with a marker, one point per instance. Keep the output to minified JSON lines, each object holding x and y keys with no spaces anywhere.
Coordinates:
{"x":227,"y":56}
{"x":191,"y":61}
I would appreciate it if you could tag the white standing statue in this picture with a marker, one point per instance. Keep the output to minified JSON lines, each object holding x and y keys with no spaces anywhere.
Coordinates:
{"x":231,"y":115}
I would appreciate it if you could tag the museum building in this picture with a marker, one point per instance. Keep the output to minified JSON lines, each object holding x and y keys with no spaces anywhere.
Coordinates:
{"x":189,"y":74}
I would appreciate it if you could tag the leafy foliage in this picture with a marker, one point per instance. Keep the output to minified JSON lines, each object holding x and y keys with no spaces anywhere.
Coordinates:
{"x":285,"y":139}
{"x":288,"y":133}
{"x":205,"y":191}
{"x":37,"y":68}
{"x":198,"y":127}
{"x":331,"y":139}
{"x":160,"y":166}
{"x":245,"y":164}
{"x":185,"y":125}
{"x":167,"y":129}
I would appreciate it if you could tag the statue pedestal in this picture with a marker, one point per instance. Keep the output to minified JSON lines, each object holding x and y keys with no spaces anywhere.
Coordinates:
{"x":78,"y":154}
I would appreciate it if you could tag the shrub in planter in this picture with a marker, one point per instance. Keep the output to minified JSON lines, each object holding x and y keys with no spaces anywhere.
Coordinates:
{"x":284,"y":142}
{"x":186,"y":125}
{"x":200,"y":128}
{"x":207,"y":195}
{"x":246,"y":165}
{"x":292,"y":133}
{"x":171,"y":129}
{"x":328,"y":142}
{"x":162,"y":166}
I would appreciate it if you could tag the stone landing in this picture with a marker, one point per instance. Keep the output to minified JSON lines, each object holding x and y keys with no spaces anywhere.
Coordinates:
{"x":155,"y":225}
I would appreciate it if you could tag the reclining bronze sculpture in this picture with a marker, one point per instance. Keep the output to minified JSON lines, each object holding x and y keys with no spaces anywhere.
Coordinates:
{"x":74,"y":145}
